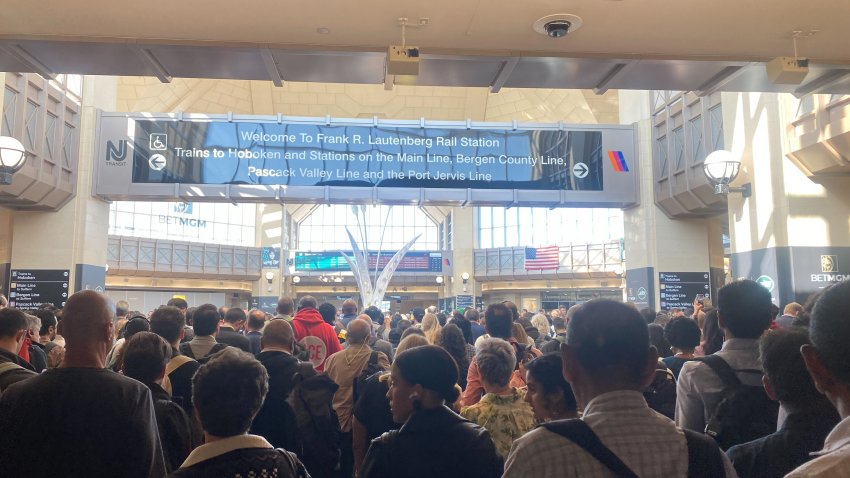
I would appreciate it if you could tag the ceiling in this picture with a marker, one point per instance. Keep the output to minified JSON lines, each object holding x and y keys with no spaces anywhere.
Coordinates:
{"x":628,"y":44}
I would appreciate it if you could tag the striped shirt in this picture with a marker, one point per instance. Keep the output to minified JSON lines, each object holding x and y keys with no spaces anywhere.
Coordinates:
{"x":648,"y":442}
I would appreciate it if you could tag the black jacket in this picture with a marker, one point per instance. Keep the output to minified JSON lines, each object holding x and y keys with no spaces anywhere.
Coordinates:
{"x":228,"y":336}
{"x":780,"y":453}
{"x":433,"y":443}
{"x":175,"y":429}
{"x":247,"y":462}
{"x":271,"y":421}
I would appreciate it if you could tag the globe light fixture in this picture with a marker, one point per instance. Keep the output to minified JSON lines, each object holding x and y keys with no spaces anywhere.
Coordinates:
{"x":12,"y":157}
{"x":439,"y":279}
{"x":296,"y":279}
{"x":721,"y":168}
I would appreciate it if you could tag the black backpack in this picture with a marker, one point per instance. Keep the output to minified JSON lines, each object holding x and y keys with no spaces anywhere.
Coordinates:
{"x":660,"y":395}
{"x":744,"y":413}
{"x":372,"y":367}
{"x":186,"y":350}
{"x":316,"y":425}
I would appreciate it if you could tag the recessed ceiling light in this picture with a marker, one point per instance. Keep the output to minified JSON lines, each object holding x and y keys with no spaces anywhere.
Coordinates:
{"x":323,"y":30}
{"x":558,"y":25}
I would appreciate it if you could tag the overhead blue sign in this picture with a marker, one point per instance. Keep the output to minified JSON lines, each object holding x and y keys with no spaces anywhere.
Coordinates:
{"x":263,"y":159}
{"x":222,"y":152}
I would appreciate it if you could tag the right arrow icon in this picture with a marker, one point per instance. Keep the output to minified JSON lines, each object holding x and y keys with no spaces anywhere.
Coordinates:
{"x":580,"y":170}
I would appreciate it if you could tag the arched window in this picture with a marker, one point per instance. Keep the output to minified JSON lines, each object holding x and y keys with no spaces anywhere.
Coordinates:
{"x":387,"y":228}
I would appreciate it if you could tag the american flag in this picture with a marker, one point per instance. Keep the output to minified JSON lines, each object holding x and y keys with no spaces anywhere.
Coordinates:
{"x":541,"y":258}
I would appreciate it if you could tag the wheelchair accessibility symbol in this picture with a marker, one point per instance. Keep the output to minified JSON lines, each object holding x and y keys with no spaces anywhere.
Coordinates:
{"x":158,"y":142}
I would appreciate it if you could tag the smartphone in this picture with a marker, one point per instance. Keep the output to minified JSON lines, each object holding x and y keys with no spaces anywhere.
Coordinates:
{"x":700,"y":299}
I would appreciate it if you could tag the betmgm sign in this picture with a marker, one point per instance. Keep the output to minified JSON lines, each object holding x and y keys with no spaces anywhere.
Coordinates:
{"x":185,"y":158}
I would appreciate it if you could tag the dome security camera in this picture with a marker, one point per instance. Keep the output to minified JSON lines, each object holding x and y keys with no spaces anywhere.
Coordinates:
{"x":557,"y":25}
{"x":557,"y":28}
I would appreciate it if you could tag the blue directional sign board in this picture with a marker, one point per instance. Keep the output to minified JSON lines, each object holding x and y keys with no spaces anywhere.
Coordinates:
{"x":322,"y":160}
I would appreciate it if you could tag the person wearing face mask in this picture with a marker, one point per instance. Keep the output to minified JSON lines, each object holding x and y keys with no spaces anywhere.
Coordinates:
{"x":433,"y":440}
{"x":13,"y":334}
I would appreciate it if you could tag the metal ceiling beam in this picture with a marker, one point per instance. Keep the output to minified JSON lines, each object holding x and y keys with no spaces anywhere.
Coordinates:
{"x":25,"y":57}
{"x":159,"y":70}
{"x":718,"y":81}
{"x":504,"y":73}
{"x":619,"y":69}
{"x":271,"y":67}
{"x":824,"y":81}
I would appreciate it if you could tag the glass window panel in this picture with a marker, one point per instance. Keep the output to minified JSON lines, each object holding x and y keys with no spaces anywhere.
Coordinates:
{"x":75,"y":84}
{"x":679,"y":146}
{"x":10,"y":103}
{"x":661,"y":156}
{"x":696,"y":139}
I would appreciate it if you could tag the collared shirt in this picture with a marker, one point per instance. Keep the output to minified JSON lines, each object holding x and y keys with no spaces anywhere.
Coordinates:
{"x":343,"y":368}
{"x":834,"y":460}
{"x":202,"y":344}
{"x":647,"y":442}
{"x":225,"y":445}
{"x":699,"y":390}
{"x":506,"y":417}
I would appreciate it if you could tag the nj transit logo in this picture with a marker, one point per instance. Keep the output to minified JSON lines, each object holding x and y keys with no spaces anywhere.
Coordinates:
{"x":115,"y":155}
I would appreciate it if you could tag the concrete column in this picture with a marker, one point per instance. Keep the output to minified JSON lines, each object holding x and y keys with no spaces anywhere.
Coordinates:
{"x":75,"y":237}
{"x":464,"y":235}
{"x":655,"y":243}
{"x":271,"y":223}
{"x":793,"y":234}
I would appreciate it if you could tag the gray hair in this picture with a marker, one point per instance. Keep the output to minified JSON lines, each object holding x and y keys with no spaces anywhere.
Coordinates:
{"x":33,"y":324}
{"x":496,"y":360}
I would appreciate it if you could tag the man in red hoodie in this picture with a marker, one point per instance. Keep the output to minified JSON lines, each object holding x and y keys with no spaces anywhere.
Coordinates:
{"x":313,"y":333}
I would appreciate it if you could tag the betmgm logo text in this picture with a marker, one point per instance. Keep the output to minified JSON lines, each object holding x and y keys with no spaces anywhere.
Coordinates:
{"x":116,"y":154}
{"x":829,"y":270}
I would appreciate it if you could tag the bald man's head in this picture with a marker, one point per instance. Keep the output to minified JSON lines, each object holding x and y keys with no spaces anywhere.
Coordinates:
{"x":349,"y":307}
{"x":87,"y":319}
{"x":358,"y":331}
{"x":278,"y":333}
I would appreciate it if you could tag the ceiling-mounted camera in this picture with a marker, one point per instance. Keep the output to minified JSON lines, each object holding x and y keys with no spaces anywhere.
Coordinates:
{"x":557,"y":28}
{"x":557,"y":25}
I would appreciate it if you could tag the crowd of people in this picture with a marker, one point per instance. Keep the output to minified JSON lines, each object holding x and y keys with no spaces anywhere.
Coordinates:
{"x":599,"y":389}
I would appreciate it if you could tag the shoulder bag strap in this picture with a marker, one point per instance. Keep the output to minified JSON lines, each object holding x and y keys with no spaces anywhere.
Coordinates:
{"x":704,"y":459}
{"x":373,"y":358}
{"x":578,"y":432}
{"x":722,"y":369}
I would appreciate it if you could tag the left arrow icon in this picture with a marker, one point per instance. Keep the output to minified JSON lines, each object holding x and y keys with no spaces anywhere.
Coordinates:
{"x":157,"y":162}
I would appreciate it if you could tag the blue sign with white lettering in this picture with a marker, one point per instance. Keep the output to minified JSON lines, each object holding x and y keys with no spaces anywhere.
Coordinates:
{"x":271,"y":257}
{"x":221,"y":152}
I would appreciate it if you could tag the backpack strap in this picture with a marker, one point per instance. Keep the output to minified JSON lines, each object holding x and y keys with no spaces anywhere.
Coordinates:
{"x":8,"y":367}
{"x":722,"y":369}
{"x":373,"y":358}
{"x":704,"y":459}
{"x":578,"y":432}
{"x":176,"y":362}
{"x":186,"y":350}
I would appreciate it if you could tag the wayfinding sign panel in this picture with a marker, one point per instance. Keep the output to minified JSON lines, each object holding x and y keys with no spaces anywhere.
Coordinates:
{"x":29,"y":288}
{"x":255,"y":158}
{"x":679,"y":289}
{"x":333,"y":261}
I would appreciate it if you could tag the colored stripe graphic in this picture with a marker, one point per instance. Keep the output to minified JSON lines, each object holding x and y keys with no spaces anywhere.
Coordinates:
{"x":618,"y":161}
